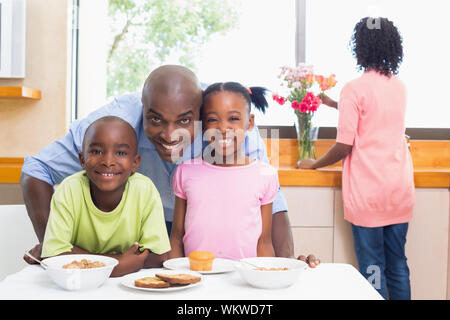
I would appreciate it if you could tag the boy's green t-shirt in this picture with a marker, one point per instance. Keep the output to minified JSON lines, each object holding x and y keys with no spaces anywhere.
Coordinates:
{"x":75,"y":221}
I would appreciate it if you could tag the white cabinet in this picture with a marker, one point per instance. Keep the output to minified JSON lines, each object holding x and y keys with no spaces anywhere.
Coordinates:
{"x":427,"y":244}
{"x":311,"y":217}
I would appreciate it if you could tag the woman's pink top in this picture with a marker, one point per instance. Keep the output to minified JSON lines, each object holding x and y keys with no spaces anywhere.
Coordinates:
{"x":377,"y":176}
{"x":223,"y":213}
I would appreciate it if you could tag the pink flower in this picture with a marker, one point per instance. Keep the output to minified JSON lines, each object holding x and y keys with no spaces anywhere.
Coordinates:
{"x":281,"y":100}
{"x":310,"y":103}
{"x":303,"y":107}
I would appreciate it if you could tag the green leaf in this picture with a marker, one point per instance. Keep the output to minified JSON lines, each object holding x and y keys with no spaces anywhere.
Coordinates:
{"x":159,"y":29}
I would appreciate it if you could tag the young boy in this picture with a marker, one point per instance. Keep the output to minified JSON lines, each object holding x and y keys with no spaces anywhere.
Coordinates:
{"x":108,"y":208}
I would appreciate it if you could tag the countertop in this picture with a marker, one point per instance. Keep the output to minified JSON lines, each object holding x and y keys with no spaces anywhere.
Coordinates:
{"x":431,"y":161}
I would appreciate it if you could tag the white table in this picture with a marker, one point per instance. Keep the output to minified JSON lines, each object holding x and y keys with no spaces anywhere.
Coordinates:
{"x":327,"y":281}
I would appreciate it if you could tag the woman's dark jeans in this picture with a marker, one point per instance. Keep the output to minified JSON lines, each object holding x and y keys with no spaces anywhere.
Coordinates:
{"x":381,"y":257}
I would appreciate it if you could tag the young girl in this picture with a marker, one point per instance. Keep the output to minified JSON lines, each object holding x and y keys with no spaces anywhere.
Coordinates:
{"x":224,"y":200}
{"x":377,"y":173}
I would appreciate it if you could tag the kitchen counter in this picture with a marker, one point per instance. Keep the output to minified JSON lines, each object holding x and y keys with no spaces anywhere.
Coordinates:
{"x":431,"y":160}
{"x":332,"y":177}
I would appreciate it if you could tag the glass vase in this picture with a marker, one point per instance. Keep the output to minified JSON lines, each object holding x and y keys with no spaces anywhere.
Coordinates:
{"x":306,"y":135}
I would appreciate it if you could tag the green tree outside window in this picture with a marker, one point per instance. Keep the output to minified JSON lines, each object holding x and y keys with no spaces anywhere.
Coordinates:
{"x":146,"y":32}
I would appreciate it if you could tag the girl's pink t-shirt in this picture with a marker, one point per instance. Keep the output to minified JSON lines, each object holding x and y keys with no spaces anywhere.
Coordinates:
{"x":223,"y":213}
{"x":377,"y":176}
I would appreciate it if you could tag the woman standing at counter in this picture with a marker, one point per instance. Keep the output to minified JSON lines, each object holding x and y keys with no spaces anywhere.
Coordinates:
{"x":377,"y":172}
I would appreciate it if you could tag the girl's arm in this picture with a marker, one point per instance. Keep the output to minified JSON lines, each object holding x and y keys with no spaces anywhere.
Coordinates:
{"x":265,"y":248}
{"x":337,"y":152}
{"x":326,"y":100}
{"x":177,"y":234}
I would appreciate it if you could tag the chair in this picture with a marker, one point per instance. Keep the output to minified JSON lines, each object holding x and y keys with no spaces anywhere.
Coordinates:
{"x":16,"y":236}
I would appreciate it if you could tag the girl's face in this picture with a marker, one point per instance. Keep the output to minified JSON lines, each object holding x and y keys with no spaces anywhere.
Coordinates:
{"x":226,"y":119}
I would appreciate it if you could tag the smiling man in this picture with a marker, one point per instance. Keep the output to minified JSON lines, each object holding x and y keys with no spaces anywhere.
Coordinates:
{"x":164,"y":117}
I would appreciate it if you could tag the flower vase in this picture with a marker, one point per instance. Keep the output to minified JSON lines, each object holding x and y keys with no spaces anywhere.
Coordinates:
{"x":306,"y":136}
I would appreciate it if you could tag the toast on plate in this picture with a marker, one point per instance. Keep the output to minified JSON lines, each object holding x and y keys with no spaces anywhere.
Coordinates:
{"x":151,"y":282}
{"x":181,"y":278}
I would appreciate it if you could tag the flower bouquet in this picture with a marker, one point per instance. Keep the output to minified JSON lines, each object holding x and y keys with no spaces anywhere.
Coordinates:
{"x":300,"y":82}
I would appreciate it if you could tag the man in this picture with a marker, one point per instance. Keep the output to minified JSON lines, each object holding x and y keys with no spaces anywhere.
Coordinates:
{"x":170,"y":101}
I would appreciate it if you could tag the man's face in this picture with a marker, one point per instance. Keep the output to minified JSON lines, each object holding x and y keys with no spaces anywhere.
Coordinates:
{"x":109,"y":155}
{"x":169,"y":121}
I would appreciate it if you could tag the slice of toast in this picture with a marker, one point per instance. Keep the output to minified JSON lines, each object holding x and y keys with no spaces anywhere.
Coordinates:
{"x":181,"y":278}
{"x":151,"y":282}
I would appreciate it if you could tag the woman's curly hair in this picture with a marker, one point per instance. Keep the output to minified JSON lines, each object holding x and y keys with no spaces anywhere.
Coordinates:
{"x":377,"y":45}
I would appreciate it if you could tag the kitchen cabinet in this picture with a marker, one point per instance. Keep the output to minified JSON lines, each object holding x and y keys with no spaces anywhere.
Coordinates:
{"x":318,"y":226}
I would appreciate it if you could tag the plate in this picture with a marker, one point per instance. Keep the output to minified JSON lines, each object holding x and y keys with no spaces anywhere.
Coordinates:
{"x":128,"y":280}
{"x":219,"y":265}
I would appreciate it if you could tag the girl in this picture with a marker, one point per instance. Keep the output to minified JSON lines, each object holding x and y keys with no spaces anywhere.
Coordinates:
{"x":224,"y":200}
{"x":377,"y":173}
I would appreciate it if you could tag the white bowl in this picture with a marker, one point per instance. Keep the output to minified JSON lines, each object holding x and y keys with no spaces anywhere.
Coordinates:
{"x":271,"y":279}
{"x":79,"y":279}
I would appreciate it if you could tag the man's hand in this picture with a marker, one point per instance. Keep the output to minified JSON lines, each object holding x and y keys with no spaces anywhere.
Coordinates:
{"x":130,"y":261}
{"x":310,"y":260}
{"x":306,"y":164}
{"x":35,"y":252}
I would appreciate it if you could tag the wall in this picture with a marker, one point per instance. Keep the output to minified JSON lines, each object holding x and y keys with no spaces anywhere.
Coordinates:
{"x":26,"y":126}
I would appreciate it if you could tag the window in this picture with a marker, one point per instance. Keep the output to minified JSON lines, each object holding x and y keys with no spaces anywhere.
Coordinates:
{"x":425,"y":67}
{"x":252,"y":40}
{"x":253,"y":52}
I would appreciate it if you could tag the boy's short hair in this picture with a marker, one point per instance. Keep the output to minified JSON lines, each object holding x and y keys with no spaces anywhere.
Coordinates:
{"x":109,"y":119}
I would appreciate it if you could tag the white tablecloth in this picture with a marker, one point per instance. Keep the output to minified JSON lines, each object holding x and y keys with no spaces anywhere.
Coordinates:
{"x":327,"y":281}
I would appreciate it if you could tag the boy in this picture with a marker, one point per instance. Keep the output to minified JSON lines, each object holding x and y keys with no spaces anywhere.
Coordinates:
{"x":108,"y":208}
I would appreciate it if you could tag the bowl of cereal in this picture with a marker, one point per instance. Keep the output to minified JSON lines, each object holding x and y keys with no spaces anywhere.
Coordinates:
{"x":79,"y":271}
{"x":270,"y":272}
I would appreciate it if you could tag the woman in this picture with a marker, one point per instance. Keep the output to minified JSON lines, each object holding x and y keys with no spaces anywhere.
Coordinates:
{"x":377,"y":173}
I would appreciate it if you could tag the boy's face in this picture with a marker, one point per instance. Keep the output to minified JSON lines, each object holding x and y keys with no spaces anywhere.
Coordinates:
{"x":109,"y":154}
{"x":226,"y":119}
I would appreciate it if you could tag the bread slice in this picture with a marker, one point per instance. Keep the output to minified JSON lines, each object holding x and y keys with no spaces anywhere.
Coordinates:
{"x":151,"y":282}
{"x":181,"y":278}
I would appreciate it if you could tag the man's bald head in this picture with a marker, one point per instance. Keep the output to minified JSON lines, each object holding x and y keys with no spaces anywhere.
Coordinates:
{"x":170,"y":80}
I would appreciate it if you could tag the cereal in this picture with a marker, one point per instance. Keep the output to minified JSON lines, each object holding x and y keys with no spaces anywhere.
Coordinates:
{"x":84,"y":264}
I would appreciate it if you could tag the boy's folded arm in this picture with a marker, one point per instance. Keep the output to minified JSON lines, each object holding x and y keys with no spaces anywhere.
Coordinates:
{"x":155,"y":260}
{"x":78,"y":250}
{"x":129,"y":261}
